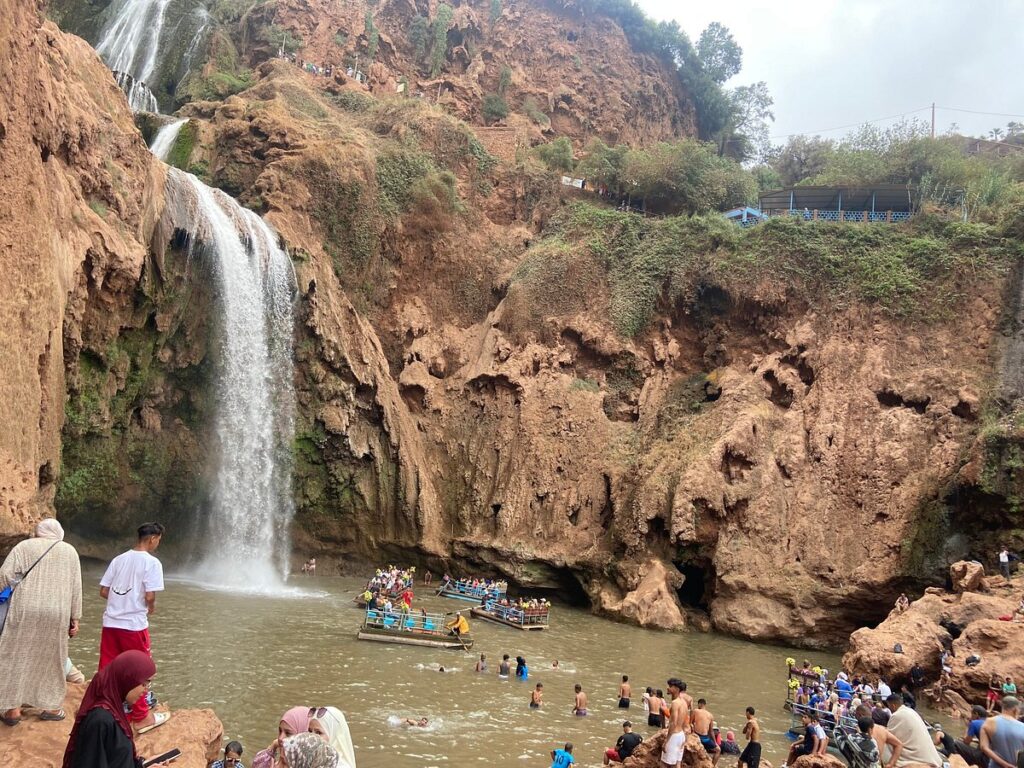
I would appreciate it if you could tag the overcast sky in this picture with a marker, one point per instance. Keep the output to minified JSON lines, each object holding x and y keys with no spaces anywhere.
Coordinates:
{"x":830,"y":64}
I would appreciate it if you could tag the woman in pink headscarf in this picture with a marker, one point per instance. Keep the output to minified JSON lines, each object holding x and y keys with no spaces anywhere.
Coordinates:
{"x":295,"y":720}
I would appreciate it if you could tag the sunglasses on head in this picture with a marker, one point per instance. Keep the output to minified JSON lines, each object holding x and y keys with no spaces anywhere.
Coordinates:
{"x":317,"y":712}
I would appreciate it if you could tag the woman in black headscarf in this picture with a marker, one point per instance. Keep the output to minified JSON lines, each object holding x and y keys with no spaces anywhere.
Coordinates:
{"x":102,"y":736}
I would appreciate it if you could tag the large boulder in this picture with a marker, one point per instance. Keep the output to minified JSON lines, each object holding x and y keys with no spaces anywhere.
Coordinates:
{"x":818,"y":761}
{"x":648,"y":754}
{"x":37,"y":744}
{"x":967,"y":576}
{"x":964,"y":621}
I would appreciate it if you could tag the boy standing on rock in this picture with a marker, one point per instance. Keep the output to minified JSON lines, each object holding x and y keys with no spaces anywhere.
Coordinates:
{"x":129,"y":586}
{"x":679,"y":722}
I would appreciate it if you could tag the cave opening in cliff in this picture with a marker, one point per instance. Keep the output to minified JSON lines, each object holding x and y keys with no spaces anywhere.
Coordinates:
{"x":698,"y":584}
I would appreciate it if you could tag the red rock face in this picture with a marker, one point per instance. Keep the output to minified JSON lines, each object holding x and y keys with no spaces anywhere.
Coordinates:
{"x":578,"y":69}
{"x":81,"y":195}
{"x":968,"y":623}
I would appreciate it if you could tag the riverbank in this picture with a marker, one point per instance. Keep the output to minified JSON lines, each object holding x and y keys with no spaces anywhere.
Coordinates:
{"x":37,"y":744}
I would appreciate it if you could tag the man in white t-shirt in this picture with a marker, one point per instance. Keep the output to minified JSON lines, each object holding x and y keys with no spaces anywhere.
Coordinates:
{"x":129,"y":586}
{"x":1004,"y":562}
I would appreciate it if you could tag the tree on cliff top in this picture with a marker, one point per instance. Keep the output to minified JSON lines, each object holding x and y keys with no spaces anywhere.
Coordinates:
{"x":720,"y":56}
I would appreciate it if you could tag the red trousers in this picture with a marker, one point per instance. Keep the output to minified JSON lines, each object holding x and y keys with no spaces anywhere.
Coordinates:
{"x":114,"y":642}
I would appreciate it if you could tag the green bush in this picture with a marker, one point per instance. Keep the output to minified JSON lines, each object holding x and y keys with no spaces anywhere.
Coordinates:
{"x":494,"y":108}
{"x":353,"y":101}
{"x":398,"y":170}
{"x":372,"y":36}
{"x":557,"y":155}
{"x":439,"y":29}
{"x":532,"y":110}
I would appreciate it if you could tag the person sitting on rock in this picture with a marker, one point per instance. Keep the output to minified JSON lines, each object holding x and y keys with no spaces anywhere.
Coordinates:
{"x":813,"y":742}
{"x":902,"y":603}
{"x":625,"y":746}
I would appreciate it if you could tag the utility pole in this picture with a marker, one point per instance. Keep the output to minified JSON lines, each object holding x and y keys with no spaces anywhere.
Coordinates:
{"x":933,"y":119}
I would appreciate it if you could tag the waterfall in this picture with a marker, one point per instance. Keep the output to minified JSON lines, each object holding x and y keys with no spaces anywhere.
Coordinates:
{"x":131,"y":40}
{"x":246,"y":541}
{"x":140,"y":98}
{"x":164,"y":139}
{"x":246,"y":544}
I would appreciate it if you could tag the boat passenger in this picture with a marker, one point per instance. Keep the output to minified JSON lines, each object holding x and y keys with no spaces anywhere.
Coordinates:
{"x":907,"y":726}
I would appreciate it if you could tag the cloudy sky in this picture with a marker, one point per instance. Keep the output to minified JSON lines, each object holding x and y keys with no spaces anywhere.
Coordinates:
{"x":830,"y":63}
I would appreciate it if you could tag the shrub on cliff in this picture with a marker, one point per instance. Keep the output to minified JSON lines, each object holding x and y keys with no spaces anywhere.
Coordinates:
{"x":920,"y":272}
{"x":494,"y":108}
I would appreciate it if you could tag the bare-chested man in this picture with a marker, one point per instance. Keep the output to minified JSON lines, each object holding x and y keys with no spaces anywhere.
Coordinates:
{"x":625,"y":692}
{"x":685,"y":696}
{"x":703,"y":721}
{"x":678,"y":724}
{"x":579,"y":707}
{"x":883,"y":738}
{"x":751,"y":755}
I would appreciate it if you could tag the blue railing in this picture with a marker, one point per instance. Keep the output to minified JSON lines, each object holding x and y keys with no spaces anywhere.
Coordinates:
{"x":521,"y":616}
{"x":848,"y":216}
{"x":464,"y":588}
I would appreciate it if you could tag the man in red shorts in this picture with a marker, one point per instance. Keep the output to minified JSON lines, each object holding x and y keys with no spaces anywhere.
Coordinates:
{"x":625,"y":746}
{"x":129,"y":586}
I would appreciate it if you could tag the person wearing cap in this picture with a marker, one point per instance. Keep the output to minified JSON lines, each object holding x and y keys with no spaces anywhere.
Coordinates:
{"x":625,"y":746}
{"x":678,"y":723}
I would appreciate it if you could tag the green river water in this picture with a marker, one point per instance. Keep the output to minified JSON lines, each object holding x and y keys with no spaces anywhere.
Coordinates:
{"x":249,"y":658}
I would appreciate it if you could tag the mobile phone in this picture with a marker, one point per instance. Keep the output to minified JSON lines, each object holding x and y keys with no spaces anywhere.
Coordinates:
{"x":172,"y":755}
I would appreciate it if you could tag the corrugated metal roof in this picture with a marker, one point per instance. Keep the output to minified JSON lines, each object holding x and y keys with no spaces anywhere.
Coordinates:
{"x":888,"y":197}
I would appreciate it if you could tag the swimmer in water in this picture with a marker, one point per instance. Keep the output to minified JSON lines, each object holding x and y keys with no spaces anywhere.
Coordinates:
{"x":554,"y":664}
{"x":536,"y":696}
{"x":441,"y":669}
{"x":409,"y":722}
{"x":579,"y":707}
{"x":504,"y":667}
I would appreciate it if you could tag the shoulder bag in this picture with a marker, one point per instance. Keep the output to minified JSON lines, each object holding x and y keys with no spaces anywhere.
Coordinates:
{"x":7,"y":592}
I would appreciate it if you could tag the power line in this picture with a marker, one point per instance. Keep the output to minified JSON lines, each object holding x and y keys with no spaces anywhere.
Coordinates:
{"x":976,"y":112}
{"x":851,"y":125}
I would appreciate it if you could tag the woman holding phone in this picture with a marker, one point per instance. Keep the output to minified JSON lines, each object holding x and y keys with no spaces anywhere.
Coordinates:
{"x":102,"y":737}
{"x":294,"y":721}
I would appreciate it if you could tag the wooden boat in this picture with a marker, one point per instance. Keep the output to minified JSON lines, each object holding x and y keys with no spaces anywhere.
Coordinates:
{"x":411,"y":629}
{"x":461,"y":590}
{"x":528,"y":619}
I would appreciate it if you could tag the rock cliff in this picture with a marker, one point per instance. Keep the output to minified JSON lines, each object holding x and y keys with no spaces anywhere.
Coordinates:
{"x":82,"y":196}
{"x":673,"y":421}
{"x":973,"y":620}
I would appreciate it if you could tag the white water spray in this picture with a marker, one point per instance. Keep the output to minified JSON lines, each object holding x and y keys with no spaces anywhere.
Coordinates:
{"x":131,"y":41}
{"x":247,"y":536}
{"x":247,"y":530}
{"x":165,"y":137}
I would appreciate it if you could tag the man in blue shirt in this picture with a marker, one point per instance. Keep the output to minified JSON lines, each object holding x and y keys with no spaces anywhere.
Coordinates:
{"x":562,"y":758}
{"x":844,"y":689}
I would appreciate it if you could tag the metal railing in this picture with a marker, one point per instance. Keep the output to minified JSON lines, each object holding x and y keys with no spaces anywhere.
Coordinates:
{"x":889,"y":217}
{"x":404,"y":620}
{"x":521,"y":616}
{"x":464,"y":588}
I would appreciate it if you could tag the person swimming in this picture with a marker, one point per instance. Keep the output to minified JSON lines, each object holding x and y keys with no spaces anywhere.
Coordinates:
{"x":536,"y":696}
{"x":410,"y":723}
{"x":503,"y":668}
{"x":522,"y":671}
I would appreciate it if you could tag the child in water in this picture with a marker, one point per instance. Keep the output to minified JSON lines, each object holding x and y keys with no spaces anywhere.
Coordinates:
{"x":536,"y":696}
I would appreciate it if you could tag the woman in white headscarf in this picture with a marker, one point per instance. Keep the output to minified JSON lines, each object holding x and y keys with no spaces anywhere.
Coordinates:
{"x":43,"y":613}
{"x":330,"y":725}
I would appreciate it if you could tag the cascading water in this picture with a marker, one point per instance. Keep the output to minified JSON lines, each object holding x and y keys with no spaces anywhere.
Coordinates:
{"x":252,"y":500}
{"x":130,"y":44}
{"x":164,"y":139}
{"x":247,"y":530}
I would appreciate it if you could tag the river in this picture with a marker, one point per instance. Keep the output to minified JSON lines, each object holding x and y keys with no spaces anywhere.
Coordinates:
{"x":250,"y":658}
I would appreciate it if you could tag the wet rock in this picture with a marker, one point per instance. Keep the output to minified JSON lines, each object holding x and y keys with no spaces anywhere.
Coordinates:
{"x":967,"y":576}
{"x":648,"y":754}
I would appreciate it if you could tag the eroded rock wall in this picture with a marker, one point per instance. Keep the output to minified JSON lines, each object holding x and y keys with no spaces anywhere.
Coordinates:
{"x":81,"y":197}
